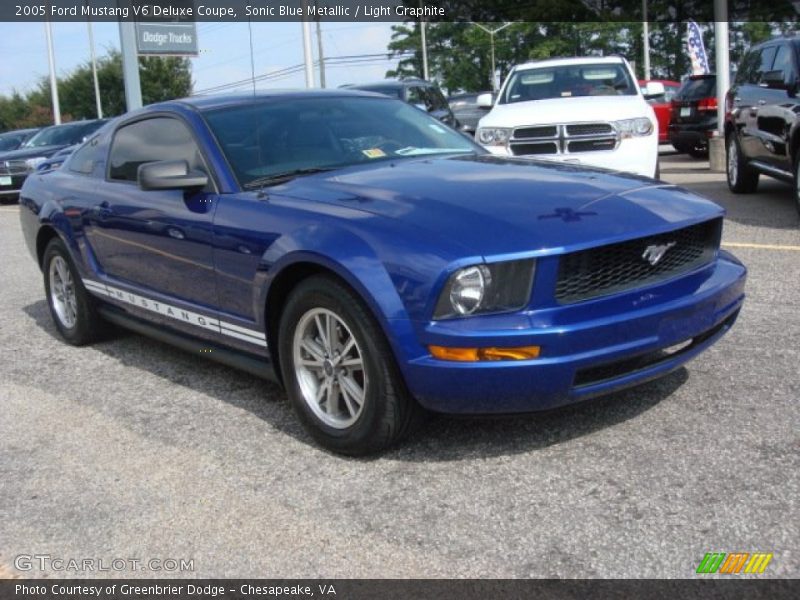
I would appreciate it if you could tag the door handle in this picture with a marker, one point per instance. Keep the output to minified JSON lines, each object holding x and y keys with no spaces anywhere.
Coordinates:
{"x":762,"y":102}
{"x":737,"y":101}
{"x":175,"y":233}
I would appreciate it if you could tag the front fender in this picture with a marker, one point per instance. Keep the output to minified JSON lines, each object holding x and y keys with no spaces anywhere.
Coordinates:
{"x":35,"y":217}
{"x":351,"y":258}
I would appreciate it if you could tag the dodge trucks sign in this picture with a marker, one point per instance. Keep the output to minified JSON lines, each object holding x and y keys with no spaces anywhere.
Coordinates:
{"x":172,"y":39}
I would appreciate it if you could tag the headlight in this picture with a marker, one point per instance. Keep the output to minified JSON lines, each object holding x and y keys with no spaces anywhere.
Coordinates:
{"x":640,"y":127}
{"x":490,"y":288}
{"x":32,"y":163}
{"x":493,"y":136}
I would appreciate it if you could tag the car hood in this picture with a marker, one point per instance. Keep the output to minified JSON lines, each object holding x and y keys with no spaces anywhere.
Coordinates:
{"x":567,"y":110}
{"x":23,"y":153}
{"x":493,"y":205}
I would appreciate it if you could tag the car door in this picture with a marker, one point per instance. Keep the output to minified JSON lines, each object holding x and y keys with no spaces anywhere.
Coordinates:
{"x":754,"y":96}
{"x":158,"y":244}
{"x":777,"y":115}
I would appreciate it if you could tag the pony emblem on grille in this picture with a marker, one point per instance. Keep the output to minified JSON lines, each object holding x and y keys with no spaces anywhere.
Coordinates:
{"x":654,"y":253}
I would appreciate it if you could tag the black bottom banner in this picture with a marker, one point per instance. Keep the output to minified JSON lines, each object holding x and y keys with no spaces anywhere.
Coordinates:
{"x":389,"y":589}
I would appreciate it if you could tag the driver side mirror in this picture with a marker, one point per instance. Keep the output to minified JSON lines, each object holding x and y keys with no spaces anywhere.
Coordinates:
{"x":485,"y":101}
{"x":169,"y":175}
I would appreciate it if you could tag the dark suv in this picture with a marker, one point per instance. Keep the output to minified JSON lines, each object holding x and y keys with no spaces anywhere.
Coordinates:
{"x":762,"y":125}
{"x":422,"y":94}
{"x":694,"y":115}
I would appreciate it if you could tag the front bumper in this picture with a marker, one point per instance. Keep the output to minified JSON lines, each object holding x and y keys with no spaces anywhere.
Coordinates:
{"x":582,"y":357}
{"x":633,"y":155}
{"x":692,"y":135}
{"x":10,"y":189}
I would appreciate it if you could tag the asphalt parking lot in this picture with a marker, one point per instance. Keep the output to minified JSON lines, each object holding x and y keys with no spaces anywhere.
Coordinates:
{"x":133,"y":449}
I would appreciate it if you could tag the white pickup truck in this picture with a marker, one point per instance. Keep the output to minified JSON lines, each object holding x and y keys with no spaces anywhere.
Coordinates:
{"x":577,"y":110}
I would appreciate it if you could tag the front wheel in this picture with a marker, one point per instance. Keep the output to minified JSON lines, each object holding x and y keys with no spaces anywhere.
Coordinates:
{"x":71,"y":307}
{"x":339,"y":372}
{"x":742,"y":178}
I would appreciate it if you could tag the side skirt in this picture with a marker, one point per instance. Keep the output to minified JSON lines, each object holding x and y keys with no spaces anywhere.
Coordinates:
{"x":239,"y":360}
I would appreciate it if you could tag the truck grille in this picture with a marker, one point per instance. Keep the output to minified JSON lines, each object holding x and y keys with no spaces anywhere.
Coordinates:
{"x":568,"y":138}
{"x":13,"y":167}
{"x":628,"y":265}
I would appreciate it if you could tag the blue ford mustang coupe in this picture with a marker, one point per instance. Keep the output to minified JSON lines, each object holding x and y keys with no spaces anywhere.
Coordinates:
{"x":374,"y":261}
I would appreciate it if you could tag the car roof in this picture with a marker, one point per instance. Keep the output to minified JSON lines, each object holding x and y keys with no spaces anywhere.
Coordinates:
{"x":236,"y":99}
{"x":19,"y":131}
{"x":576,"y":60}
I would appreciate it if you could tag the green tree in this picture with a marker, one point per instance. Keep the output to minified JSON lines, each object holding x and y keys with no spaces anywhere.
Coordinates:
{"x":161,"y":79}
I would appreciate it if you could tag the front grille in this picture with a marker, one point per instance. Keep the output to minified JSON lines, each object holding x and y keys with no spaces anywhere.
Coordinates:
{"x":13,"y":167}
{"x":565,"y":138}
{"x":590,"y":145}
{"x":547,"y":131}
{"x":618,"y":267}
{"x":590,"y":129}
{"x":529,"y":149}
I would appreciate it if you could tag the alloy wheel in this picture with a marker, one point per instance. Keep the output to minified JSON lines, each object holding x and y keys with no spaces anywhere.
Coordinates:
{"x":329,"y":367}
{"x":62,"y":292}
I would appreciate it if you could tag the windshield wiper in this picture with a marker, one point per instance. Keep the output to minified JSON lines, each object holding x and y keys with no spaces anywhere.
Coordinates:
{"x":283,"y":177}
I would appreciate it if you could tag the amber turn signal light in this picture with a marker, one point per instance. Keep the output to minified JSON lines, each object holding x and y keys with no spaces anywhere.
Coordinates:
{"x":484,"y":354}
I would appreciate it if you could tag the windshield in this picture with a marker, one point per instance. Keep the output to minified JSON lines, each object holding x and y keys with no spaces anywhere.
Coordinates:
{"x":694,"y":89}
{"x":11,"y":141}
{"x":282,"y":136}
{"x":62,"y":135}
{"x":393,"y":92}
{"x":569,"y":81}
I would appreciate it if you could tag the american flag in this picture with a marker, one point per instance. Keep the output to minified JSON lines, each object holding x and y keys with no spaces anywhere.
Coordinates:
{"x":697,"y":51}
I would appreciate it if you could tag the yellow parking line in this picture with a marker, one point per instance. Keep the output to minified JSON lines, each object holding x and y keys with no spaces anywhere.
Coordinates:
{"x":761,"y":246}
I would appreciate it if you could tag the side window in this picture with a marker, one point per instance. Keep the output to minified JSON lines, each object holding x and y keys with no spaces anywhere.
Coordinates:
{"x":783,"y":62}
{"x":767,"y":58}
{"x":84,"y":158}
{"x":748,"y":68}
{"x":436,"y":100}
{"x":415,"y":97}
{"x":159,"y":138}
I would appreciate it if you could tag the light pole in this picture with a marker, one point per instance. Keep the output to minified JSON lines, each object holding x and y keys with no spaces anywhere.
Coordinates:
{"x":424,"y":50}
{"x":97,"y":100}
{"x":646,"y":40}
{"x":48,"y":31}
{"x":308,"y":57}
{"x":491,"y":33}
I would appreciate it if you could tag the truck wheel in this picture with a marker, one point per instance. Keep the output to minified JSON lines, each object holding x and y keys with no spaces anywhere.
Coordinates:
{"x":742,"y":178}
{"x":339,"y":372}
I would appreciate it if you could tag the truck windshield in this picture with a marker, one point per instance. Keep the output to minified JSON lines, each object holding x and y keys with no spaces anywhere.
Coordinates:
{"x":568,"y":81}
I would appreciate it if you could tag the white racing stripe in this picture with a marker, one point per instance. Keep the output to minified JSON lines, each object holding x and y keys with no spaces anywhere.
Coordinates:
{"x":184,"y":316}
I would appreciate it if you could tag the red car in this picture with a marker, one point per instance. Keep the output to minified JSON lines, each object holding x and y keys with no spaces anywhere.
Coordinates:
{"x":662,"y":105}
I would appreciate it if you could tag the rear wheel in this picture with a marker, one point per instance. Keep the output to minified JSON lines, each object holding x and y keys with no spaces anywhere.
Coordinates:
{"x":339,"y":372}
{"x":742,"y":178}
{"x":71,"y":307}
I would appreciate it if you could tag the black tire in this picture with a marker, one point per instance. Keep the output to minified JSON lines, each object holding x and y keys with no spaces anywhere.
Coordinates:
{"x":797,"y":183}
{"x":387,"y":413}
{"x":742,"y":178}
{"x":88,"y":326}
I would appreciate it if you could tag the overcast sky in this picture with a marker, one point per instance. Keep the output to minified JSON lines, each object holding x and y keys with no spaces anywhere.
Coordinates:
{"x":224,"y":51}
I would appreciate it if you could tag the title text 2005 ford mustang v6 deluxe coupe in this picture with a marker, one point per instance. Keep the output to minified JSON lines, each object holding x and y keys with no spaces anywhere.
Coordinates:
{"x":376,"y":262}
